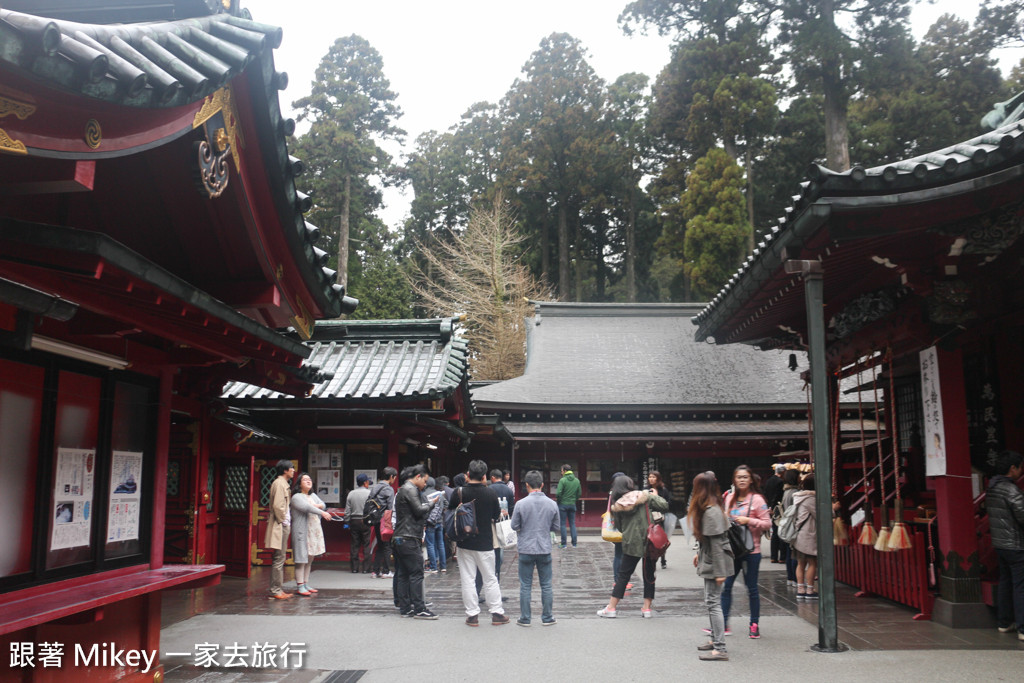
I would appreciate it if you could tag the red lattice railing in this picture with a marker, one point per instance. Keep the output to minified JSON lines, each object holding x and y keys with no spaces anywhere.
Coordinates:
{"x":900,"y":576}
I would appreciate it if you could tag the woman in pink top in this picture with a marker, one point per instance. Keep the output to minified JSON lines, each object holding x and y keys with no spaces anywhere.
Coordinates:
{"x":746,"y":506}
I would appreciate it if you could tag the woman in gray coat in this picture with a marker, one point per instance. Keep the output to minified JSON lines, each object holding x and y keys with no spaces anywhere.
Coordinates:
{"x":307,"y":536}
{"x":806,"y":542}
{"x":714,"y":559}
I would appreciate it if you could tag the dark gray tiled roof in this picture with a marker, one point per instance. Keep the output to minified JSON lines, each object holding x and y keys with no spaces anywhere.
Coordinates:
{"x":669,"y":428}
{"x":638,"y":355}
{"x":916,"y":179}
{"x":377,"y":361}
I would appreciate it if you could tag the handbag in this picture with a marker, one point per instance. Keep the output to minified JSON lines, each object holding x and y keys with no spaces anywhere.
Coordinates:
{"x":608,"y":530}
{"x":741,"y":540}
{"x":387,"y":527}
{"x":657,"y":539}
{"x":504,"y":535}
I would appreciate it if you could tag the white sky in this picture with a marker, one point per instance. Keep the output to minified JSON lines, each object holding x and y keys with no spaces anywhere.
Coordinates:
{"x":443,"y":56}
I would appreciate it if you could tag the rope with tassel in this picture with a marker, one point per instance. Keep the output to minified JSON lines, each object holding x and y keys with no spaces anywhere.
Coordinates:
{"x":882,"y":543}
{"x":931,"y":554}
{"x":899,"y":537}
{"x":868,"y":535}
{"x":839,"y":534}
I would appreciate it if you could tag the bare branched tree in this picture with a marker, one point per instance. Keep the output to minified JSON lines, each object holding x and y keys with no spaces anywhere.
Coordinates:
{"x":476,"y":273}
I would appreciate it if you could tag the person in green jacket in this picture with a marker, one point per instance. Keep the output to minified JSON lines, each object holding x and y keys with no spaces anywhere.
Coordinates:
{"x":632,"y":509}
{"x":566,"y":495}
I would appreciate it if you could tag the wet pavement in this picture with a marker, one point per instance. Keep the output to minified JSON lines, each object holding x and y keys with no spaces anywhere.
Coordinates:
{"x":359,"y":607}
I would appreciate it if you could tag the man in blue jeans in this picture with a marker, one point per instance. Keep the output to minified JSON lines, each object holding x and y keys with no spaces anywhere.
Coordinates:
{"x":535,"y":517}
{"x":568,"y":492}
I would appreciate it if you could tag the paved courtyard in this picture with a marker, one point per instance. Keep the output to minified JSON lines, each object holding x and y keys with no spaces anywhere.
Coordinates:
{"x":350,"y":630}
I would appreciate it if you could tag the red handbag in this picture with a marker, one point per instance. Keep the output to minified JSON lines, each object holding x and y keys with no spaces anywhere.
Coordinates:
{"x":657,"y":539}
{"x":387,"y":527}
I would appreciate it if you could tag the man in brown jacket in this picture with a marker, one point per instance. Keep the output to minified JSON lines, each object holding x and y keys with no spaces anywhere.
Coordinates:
{"x":278,"y":525}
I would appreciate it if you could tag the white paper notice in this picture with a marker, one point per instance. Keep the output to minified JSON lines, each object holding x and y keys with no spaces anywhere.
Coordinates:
{"x":72,"y":495}
{"x":328,"y":485}
{"x":125,"y":496}
{"x":934,"y":427}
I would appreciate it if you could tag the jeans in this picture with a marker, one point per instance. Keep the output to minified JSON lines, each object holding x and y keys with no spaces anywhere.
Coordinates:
{"x":751,"y":566}
{"x":408,"y":574}
{"x":790,"y":563}
{"x":381,"y":551}
{"x":626,"y":569}
{"x":543,"y":564}
{"x":1010,"y":594}
{"x":435,"y":547}
{"x":567,"y":513}
{"x":712,"y":600}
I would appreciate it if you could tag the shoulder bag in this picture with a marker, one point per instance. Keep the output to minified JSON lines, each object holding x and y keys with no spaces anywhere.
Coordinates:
{"x":657,"y":539}
{"x":608,"y":530}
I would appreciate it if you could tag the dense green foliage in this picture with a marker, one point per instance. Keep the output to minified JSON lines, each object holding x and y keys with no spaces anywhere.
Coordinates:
{"x":636,"y":191}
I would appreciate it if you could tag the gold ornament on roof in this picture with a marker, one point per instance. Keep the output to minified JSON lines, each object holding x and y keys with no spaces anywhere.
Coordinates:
{"x":22,"y":110}
{"x":93,"y":134}
{"x":10,"y":145}
{"x":222,"y":102}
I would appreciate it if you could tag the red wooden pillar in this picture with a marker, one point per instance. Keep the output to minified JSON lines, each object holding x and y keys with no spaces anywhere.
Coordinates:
{"x":393,"y":443}
{"x":960,"y":603}
{"x":163,"y":437}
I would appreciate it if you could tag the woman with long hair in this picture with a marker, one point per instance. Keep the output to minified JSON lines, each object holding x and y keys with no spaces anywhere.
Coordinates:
{"x":656,"y":485}
{"x":713,"y":559}
{"x":746,"y":506}
{"x":791,"y":484}
{"x":307,"y":534}
{"x":632,"y":509}
{"x":806,"y":542}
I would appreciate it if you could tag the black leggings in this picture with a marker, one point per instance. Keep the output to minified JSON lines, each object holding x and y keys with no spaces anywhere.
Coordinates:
{"x":626,"y":569}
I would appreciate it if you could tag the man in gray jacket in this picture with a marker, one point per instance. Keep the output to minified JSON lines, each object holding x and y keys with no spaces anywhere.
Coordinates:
{"x":534,"y":518}
{"x":1005,"y":504}
{"x":354,"y":504}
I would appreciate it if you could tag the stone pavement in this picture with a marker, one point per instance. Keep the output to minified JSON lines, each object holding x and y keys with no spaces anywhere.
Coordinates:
{"x":351,"y":631}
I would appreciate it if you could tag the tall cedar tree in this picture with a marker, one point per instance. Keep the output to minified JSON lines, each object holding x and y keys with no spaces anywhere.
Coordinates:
{"x":477,"y":274}
{"x":351,"y":108}
{"x":551,"y":116}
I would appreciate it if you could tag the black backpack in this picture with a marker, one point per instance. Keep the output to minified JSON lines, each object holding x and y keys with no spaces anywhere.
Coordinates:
{"x":373,"y":509}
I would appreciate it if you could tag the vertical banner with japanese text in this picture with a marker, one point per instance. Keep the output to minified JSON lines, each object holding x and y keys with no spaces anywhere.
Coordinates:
{"x":934,"y":430}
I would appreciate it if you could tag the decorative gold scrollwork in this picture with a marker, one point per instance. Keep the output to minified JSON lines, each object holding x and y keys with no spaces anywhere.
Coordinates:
{"x":222,"y":102}
{"x":212,"y":170}
{"x":93,"y":134}
{"x":9,"y":144}
{"x":21,"y":110}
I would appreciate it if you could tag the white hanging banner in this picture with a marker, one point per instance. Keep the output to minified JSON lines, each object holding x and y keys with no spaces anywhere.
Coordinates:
{"x":934,"y":429}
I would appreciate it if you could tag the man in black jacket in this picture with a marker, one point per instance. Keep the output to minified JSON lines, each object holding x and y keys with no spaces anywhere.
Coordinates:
{"x":1005,"y":504}
{"x":772,"y":497}
{"x":476,"y":552}
{"x":411,"y":514}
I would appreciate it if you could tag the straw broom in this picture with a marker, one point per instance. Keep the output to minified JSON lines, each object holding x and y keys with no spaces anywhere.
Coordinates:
{"x":882,"y":542}
{"x":868,"y":535}
{"x":899,"y":538}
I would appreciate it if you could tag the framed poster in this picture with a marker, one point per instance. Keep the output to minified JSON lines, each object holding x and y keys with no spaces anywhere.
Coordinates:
{"x":125,"y":494}
{"x":72,"y":496}
{"x":328,"y":485}
{"x":372,"y":474}
{"x":325,"y":456}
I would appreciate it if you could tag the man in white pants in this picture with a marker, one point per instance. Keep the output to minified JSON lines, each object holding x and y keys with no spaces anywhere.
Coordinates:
{"x":476,"y":552}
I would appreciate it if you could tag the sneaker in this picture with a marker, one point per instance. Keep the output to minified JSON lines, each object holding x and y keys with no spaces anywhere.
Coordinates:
{"x":522,"y":622}
{"x":561,"y":546}
{"x":388,"y":575}
{"x":429,"y":571}
{"x":1007,"y":629}
{"x":473,"y":620}
{"x":728,"y":631}
{"x":755,"y":632}
{"x":646,"y":613}
{"x":607,"y":613}
{"x":791,"y":583}
{"x":549,"y":623}
{"x":443,"y":570}
{"x":499,"y":619}
{"x":1020,"y":635}
{"x":810,"y":596}
{"x":425,"y":614}
{"x":629,"y":586}
{"x":714,"y":656}
{"x":407,"y":613}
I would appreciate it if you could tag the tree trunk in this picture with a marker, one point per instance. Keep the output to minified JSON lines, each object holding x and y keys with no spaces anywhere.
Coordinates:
{"x":631,"y":248}
{"x":343,"y":231}
{"x":749,"y":162}
{"x":578,"y":271}
{"x":564,"y":284}
{"x":837,"y":143}
{"x":545,"y":252}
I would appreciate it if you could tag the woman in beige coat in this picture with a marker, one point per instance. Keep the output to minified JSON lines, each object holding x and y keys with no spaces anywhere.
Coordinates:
{"x":806,"y":542}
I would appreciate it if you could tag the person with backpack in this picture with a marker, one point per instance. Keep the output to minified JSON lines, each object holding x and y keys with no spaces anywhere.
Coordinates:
{"x":381,"y":496}
{"x":806,"y":541}
{"x":355,"y":503}
{"x":790,"y":485}
{"x":436,"y":558}
{"x":567,"y":493}
{"x":713,"y":559}
{"x":746,"y":506}
{"x":476,"y":550}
